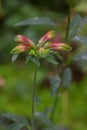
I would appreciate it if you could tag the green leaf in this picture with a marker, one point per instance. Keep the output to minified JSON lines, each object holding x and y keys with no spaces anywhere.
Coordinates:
{"x":14,"y":57}
{"x":57,"y":55}
{"x":80,"y":57}
{"x":51,"y":59}
{"x":36,"y":61}
{"x":81,"y":39}
{"x":28,"y":58}
{"x":55,"y":83}
{"x":38,"y":99}
{"x":67,"y":76}
{"x":85,"y":20}
{"x":42,"y":118}
{"x":16,"y":126}
{"x":15,"y":118}
{"x":36,"y":21}
{"x":75,"y":25}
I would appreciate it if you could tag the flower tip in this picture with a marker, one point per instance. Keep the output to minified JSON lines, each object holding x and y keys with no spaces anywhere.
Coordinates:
{"x":18,"y":38}
{"x":67,"y":47}
{"x":47,"y":36}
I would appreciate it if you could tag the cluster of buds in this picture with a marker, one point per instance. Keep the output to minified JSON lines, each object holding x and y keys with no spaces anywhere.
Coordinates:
{"x":43,"y":47}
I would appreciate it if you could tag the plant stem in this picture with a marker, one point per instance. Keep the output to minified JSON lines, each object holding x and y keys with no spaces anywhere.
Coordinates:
{"x":54,"y":106}
{"x":33,"y":97}
{"x":65,"y":98}
{"x":66,"y":40}
{"x":68,"y":24}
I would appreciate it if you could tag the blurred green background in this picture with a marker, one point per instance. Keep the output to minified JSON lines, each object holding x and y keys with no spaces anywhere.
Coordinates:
{"x":16,"y":79}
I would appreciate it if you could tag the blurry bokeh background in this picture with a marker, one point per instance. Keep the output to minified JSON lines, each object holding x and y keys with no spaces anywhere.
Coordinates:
{"x":16,"y":79}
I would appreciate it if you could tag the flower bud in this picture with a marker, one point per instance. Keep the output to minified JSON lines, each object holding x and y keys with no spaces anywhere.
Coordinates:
{"x":47,"y":36}
{"x":59,"y":46}
{"x":23,"y":39}
{"x":21,"y":48}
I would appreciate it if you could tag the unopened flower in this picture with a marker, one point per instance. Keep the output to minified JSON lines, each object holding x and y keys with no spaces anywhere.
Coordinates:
{"x":58,"y":46}
{"x":21,"y":48}
{"x":47,"y":36}
{"x":23,"y":39}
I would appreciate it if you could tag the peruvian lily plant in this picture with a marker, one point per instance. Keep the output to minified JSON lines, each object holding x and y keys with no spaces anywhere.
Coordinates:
{"x":45,"y":48}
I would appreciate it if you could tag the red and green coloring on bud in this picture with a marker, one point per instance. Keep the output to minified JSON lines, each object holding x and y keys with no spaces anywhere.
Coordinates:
{"x":42,"y":48}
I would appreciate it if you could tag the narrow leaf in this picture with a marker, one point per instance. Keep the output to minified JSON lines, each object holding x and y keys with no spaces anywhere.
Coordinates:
{"x":38,"y":99}
{"x":85,"y":20}
{"x":75,"y":25}
{"x":81,"y":56}
{"x":36,"y":21}
{"x":15,"y":118}
{"x":14,"y":57}
{"x":52,"y":59}
{"x":16,"y":126}
{"x":81,"y":39}
{"x":55,"y":82}
{"x":41,"y":117}
{"x":67,"y":76}
{"x":36,"y":61}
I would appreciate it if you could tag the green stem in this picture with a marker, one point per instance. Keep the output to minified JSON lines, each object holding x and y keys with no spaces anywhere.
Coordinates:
{"x":66,"y":40}
{"x":68,"y":24}
{"x":54,"y":106}
{"x":33,"y":98}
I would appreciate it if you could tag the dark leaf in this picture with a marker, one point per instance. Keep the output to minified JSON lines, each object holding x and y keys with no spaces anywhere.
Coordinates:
{"x":52,"y":59}
{"x":38,"y":99}
{"x":14,"y":57}
{"x":36,"y":21}
{"x":16,"y":126}
{"x":15,"y":118}
{"x":80,"y":57}
{"x":28,"y":58}
{"x":67,"y":76}
{"x":81,"y":39}
{"x":55,"y":82}
{"x":47,"y":110}
{"x":85,"y":20}
{"x":36,"y":61}
{"x":75,"y":25}
{"x":41,"y":117}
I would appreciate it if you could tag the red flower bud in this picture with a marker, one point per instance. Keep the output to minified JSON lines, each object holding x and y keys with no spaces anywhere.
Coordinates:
{"x":58,"y":46}
{"x":21,"y":48}
{"x":23,"y":39}
{"x":47,"y":36}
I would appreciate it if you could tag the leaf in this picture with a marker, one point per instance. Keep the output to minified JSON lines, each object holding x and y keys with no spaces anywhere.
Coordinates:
{"x":33,"y":59}
{"x":14,"y":57}
{"x":51,"y":59}
{"x":85,"y":20}
{"x":15,"y":118}
{"x":55,"y":82}
{"x":16,"y":126}
{"x":80,"y":56}
{"x":67,"y":76}
{"x":38,"y":99}
{"x":36,"y":21}
{"x":41,"y":117}
{"x":28,"y":58}
{"x":81,"y":39}
{"x":36,"y":61}
{"x":57,"y":55}
{"x":75,"y":25}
